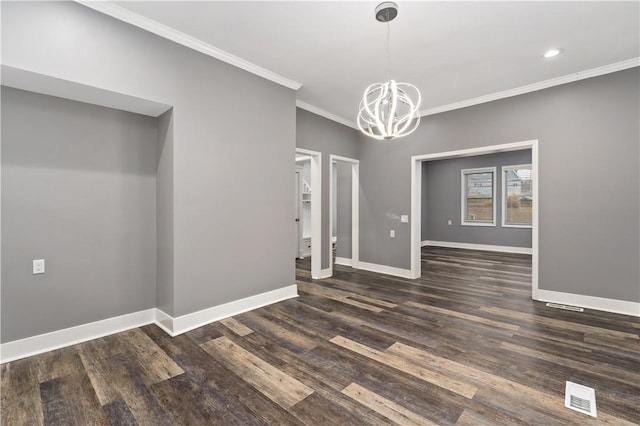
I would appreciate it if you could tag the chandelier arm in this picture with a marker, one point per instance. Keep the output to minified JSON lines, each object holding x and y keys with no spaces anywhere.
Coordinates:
{"x":415,"y":126}
{"x":365,"y":121}
{"x":407,"y":119}
{"x":378,"y":116}
{"x":417,"y":103}
{"x":392,"y":105}
{"x":369,"y":119}
{"x":375,"y":102}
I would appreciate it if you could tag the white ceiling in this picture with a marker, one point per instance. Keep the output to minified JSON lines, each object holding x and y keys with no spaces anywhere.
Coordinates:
{"x":452,"y":51}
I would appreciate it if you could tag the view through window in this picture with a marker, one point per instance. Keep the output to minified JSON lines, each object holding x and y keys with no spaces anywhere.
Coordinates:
{"x":478,"y":196}
{"x":518,"y":196}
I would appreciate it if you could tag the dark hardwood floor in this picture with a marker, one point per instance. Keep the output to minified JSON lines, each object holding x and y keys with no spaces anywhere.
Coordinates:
{"x":463,"y":345}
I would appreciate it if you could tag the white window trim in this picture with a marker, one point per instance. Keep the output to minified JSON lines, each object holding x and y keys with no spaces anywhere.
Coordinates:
{"x":504,"y":194}
{"x":463,"y":198}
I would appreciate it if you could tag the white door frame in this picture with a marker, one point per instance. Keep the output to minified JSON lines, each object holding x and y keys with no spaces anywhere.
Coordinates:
{"x":299,"y":208}
{"x":355,"y":209}
{"x":316,"y":210}
{"x":416,"y":200}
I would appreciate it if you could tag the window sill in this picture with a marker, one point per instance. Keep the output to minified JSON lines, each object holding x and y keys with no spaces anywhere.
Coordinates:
{"x":504,"y":225}
{"x":478,"y":224}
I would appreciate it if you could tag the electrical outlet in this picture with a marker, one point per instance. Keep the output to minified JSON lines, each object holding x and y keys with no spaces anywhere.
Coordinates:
{"x":392,"y":233}
{"x":38,"y":266}
{"x":449,"y":222}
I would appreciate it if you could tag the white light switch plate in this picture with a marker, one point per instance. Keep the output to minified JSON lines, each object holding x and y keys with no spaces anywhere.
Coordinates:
{"x":38,"y":266}
{"x":392,"y":233}
{"x":404,"y":218}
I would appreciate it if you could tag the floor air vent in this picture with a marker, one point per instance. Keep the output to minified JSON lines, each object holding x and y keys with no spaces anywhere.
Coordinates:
{"x":565,"y":307}
{"x":580,"y":398}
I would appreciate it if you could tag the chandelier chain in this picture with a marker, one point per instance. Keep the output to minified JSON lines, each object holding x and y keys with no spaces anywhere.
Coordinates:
{"x":388,"y":51}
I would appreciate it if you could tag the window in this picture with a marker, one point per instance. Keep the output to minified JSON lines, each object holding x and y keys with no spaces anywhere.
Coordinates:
{"x":517,"y":194}
{"x":478,"y":197}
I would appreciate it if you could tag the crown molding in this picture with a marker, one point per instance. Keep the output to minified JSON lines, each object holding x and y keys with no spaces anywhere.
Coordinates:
{"x":570,"y":78}
{"x":325,"y":114}
{"x":125,"y":15}
{"x":169,"y":33}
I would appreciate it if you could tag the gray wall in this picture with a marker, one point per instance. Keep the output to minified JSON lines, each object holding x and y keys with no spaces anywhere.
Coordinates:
{"x":441,"y":196}
{"x":589,"y":160}
{"x":219,"y":223}
{"x":164,"y":209}
{"x":328,"y":137}
{"x":343,"y":209}
{"x":78,"y":190}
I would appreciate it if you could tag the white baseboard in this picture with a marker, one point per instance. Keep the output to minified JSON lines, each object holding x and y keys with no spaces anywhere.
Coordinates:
{"x":164,"y":321}
{"x":470,"y":246}
{"x":384,"y":269}
{"x":324,"y":273}
{"x":344,"y":261}
{"x":34,"y":345}
{"x":590,"y":302}
{"x":188,"y":322}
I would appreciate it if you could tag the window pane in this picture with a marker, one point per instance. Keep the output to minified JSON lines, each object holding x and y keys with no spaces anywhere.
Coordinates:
{"x":479,"y":197}
{"x":518,"y":196}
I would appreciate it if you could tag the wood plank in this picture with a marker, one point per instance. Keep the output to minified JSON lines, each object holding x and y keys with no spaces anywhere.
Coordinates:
{"x":552,"y":322}
{"x":277,"y":386}
{"x":321,"y":408}
{"x":335,"y":294}
{"x":20,"y":393}
{"x":119,"y":414}
{"x":204,"y":333}
{"x":244,"y":403}
{"x":153,"y":363}
{"x":297,"y":342}
{"x":464,"y":316}
{"x":58,"y":363}
{"x":70,"y":400}
{"x":97,"y":363}
{"x":471,"y":418}
{"x":389,"y":358}
{"x":180,"y":392}
{"x":384,"y":406}
{"x":605,"y":371}
{"x":236,"y":326}
{"x":125,"y":376}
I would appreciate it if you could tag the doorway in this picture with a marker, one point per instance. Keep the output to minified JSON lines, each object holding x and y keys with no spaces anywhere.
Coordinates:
{"x":308,"y":207}
{"x":344,"y":176}
{"x":416,"y":201}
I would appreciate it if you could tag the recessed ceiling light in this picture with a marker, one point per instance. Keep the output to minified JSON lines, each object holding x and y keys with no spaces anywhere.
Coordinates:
{"x":552,"y":52}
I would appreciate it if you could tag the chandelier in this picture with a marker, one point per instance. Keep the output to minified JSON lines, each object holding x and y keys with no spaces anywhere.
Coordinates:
{"x":389,"y":110}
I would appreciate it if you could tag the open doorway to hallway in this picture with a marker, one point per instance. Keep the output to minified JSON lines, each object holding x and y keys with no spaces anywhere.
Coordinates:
{"x":344,"y":221}
{"x":307,"y":178}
